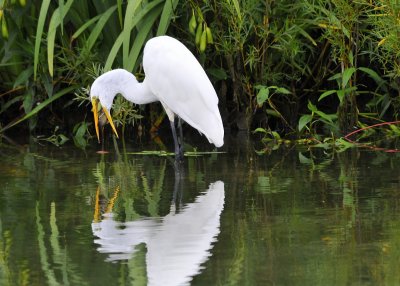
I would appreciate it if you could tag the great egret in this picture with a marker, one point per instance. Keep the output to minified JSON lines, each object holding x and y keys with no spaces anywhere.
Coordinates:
{"x":176,"y":79}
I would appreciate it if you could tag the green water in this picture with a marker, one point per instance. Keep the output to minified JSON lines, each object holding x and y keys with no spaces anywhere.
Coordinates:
{"x":290,"y":217}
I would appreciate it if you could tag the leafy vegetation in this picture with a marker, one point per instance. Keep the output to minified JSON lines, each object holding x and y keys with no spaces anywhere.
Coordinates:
{"x":299,"y":68}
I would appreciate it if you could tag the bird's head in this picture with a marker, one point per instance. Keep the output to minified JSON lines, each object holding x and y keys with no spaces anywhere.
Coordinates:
{"x":102,"y":97}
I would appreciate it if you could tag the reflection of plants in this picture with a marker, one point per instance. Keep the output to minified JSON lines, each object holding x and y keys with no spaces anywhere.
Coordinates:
{"x":60,"y":255}
{"x":132,"y":184}
{"x":5,"y":245}
{"x":56,"y":139}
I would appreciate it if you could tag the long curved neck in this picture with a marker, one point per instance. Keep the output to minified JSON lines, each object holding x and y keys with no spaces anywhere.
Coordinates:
{"x":109,"y":84}
{"x":136,"y":92}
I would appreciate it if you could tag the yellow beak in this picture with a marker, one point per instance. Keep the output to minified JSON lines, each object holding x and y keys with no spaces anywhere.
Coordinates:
{"x":96,"y":118}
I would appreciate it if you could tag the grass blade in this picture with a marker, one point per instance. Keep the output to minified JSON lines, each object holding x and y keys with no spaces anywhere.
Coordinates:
{"x":142,"y":36}
{"x":118,"y":43}
{"x":55,"y":21}
{"x":99,"y":27}
{"x":84,"y":27}
{"x":61,"y":7}
{"x":119,"y":4}
{"x":39,"y":32}
{"x":168,"y":11}
{"x":129,"y":17}
{"x":40,"y":107}
{"x":237,"y":8}
{"x":113,"y":53}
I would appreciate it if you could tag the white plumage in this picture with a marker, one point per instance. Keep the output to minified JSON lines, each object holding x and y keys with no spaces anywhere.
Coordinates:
{"x":174,"y":77}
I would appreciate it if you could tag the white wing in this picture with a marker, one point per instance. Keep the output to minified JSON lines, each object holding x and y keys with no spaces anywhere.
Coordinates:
{"x":178,"y":80}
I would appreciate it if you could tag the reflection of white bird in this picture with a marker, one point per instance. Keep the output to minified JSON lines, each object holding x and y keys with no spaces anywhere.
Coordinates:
{"x":176,"y":245}
{"x":176,"y":79}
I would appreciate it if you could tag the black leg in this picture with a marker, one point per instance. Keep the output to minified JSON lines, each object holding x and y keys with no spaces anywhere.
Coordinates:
{"x":180,"y":135}
{"x":178,"y":153}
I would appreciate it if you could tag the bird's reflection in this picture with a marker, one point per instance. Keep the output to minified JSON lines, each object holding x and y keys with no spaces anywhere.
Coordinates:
{"x":177,"y":244}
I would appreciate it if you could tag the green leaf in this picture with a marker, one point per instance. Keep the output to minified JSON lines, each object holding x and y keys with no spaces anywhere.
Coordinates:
{"x":259,"y":86}
{"x":119,"y":4}
{"x":324,"y":116}
{"x":113,"y":52}
{"x":39,"y":107}
{"x":373,"y":74}
{"x":312,"y":107}
{"x":304,"y":120}
{"x":28,"y":101}
{"x":237,"y":8}
{"x":347,"y":75}
{"x":99,"y":27}
{"x":275,"y":135}
{"x":80,"y":130}
{"x":262,"y":95}
{"x":351,"y":58}
{"x":335,"y":76}
{"x":166,"y":16}
{"x":141,"y":15}
{"x":272,"y":112}
{"x":141,"y":37}
{"x":129,"y":16}
{"x":84,"y":27}
{"x":10,"y":102}
{"x":326,"y":93}
{"x":342,"y":92}
{"x":39,"y":31}
{"x":61,"y":8}
{"x":23,"y":77}
{"x":217,"y":73}
{"x":55,"y":21}
{"x":63,"y":139}
{"x":283,"y":90}
{"x":260,"y":130}
{"x":306,"y":35}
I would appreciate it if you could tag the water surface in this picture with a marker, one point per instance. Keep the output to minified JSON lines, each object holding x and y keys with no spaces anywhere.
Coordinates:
{"x":292,"y":216}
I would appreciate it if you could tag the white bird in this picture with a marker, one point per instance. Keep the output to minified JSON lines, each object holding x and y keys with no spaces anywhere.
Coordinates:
{"x":177,"y":244}
{"x":176,"y":79}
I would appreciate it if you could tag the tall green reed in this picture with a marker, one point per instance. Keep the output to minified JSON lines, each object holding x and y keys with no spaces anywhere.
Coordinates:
{"x":70,"y":37}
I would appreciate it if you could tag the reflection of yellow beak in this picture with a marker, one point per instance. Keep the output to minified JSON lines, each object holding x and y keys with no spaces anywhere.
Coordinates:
{"x":96,"y":118}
